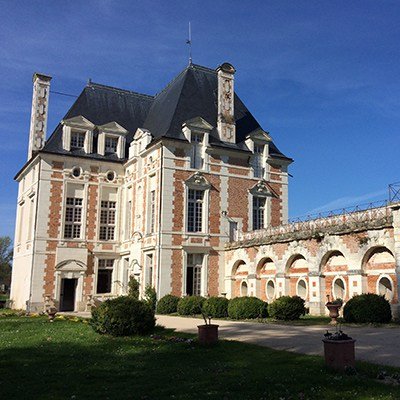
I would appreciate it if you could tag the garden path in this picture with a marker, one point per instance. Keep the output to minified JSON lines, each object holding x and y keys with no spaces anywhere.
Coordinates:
{"x":379,"y":345}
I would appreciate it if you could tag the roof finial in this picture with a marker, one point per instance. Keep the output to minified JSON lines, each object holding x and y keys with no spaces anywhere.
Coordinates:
{"x":189,"y":42}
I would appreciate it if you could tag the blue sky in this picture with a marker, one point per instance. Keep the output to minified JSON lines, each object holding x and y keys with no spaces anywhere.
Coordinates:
{"x":321,"y":76}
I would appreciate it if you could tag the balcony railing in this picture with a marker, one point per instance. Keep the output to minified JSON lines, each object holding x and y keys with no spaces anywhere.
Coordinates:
{"x":376,"y":213}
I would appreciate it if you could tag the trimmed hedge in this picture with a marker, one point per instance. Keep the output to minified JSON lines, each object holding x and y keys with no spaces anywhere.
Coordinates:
{"x":123,"y":316}
{"x":168,"y":304}
{"x":190,"y":305}
{"x":216,"y":307}
{"x":287,"y":308}
{"x":247,"y":308}
{"x":367,"y":308}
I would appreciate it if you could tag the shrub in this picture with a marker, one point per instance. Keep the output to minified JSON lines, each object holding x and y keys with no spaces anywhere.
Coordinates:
{"x":168,"y":304}
{"x":133,"y":288}
{"x":370,"y":308}
{"x":247,"y":308}
{"x":123,"y":316}
{"x":216,"y":307}
{"x":190,"y":305}
{"x":150,"y":297}
{"x":287,"y":308}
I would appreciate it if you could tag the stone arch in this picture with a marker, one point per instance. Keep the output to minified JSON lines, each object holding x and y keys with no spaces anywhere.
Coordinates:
{"x":265,"y":272}
{"x":334,"y":267}
{"x":239,"y":275}
{"x":297,"y":270}
{"x":379,"y":265}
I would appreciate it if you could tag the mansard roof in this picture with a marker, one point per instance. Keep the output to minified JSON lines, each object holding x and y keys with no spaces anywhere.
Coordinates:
{"x":192,"y":94}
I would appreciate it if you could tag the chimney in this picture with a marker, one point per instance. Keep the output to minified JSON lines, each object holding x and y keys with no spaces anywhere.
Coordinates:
{"x":226,"y":113}
{"x":40,"y":101}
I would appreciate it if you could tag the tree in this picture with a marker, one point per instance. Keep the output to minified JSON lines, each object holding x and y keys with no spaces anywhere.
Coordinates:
{"x":6,"y":255}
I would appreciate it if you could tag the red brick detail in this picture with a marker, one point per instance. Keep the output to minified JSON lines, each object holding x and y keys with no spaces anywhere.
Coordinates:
{"x":176,"y":272}
{"x":213,"y":275}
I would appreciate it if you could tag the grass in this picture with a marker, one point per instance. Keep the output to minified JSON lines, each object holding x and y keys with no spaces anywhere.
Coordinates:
{"x":68,"y":360}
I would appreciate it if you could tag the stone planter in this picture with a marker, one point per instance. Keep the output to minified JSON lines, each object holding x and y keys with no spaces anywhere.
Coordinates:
{"x":208,"y":334}
{"x":333,"y":312}
{"x":339,"y":354}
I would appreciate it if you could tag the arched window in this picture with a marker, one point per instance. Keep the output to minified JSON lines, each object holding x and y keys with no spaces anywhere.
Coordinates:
{"x":385,"y":288}
{"x":270,"y":289}
{"x":302,"y":288}
{"x":339,"y":289}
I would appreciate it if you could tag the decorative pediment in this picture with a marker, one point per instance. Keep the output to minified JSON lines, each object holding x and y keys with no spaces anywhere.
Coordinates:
{"x":198,"y":181}
{"x":262,"y":189}
{"x":197,"y":124}
{"x":71,"y":266}
{"x":113,"y":127}
{"x":78,"y":122}
{"x":260,"y":135}
{"x":141,"y":132}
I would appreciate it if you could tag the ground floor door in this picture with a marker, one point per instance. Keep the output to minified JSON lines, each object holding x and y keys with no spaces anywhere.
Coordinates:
{"x":67,"y":295}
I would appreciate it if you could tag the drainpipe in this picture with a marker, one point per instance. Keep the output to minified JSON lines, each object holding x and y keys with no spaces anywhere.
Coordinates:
{"x":160,"y":222}
{"x":28,"y":308}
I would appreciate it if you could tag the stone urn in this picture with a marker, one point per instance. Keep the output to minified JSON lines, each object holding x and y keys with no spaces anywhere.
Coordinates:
{"x":333,"y":311}
{"x":339,"y":354}
{"x":208,"y":334}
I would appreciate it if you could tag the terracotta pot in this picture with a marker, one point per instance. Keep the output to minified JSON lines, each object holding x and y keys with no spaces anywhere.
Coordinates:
{"x":208,"y":334}
{"x":339,"y":354}
{"x":333,"y":312}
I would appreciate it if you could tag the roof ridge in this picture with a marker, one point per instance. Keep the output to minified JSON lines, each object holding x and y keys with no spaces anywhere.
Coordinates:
{"x":115,"y":89}
{"x":203,"y":68}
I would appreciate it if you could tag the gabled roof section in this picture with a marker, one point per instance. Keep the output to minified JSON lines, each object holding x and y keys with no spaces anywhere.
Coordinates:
{"x":101,"y":104}
{"x":192,"y":94}
{"x":113,"y":127}
{"x":78,"y":122}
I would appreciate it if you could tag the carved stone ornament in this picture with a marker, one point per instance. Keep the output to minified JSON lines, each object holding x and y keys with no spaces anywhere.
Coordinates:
{"x":262,"y":189}
{"x":198,"y":180}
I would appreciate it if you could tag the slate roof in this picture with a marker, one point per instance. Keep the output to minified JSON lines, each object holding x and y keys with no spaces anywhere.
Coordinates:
{"x":193,"y":93}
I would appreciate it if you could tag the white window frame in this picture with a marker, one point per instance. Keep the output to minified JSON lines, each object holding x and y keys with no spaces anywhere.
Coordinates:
{"x":73,"y":223}
{"x":79,"y":134}
{"x":263,"y":212}
{"x":109,"y":226}
{"x":258,"y":161}
{"x":197,"y":157}
{"x":97,"y":267}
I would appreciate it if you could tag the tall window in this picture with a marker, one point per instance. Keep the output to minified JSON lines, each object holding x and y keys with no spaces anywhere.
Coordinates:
{"x":77,"y":140}
{"x":196,"y":160}
{"x":258,"y":166}
{"x":73,"y":218}
{"x":195,"y":210}
{"x":107,"y":220}
{"x":193,"y":274}
{"x":258,"y":212}
{"x":104,"y":276}
{"x":233,"y":231}
{"x":128,"y":219}
{"x":152,"y":211}
{"x":111,"y":144}
{"x":149,"y":269}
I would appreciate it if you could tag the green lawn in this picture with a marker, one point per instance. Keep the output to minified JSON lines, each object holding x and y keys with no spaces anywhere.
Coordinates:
{"x":67,"y":360}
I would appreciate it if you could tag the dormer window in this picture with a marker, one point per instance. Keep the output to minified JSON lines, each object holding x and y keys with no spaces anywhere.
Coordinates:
{"x":258,"y":161}
{"x":77,"y":140}
{"x":78,"y":134}
{"x":196,"y":159}
{"x":111,"y":145}
{"x":112,"y":139}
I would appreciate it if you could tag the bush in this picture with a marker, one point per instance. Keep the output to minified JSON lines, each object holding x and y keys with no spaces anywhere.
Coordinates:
{"x":287,"y":308}
{"x":370,"y":308}
{"x":123,"y":316}
{"x":150,"y":297}
{"x":168,"y":304}
{"x":216,"y":307}
{"x":247,"y":308}
{"x":190,"y":305}
{"x":133,"y":288}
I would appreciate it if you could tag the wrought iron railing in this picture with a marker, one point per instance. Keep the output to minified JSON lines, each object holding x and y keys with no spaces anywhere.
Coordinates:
{"x":394,"y":192}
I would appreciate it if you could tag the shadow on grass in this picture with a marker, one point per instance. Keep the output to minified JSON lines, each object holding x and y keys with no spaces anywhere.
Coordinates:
{"x":67,"y":360}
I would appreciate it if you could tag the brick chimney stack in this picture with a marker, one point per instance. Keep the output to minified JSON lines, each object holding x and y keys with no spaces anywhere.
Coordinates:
{"x":226,"y":113}
{"x":40,"y":104}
